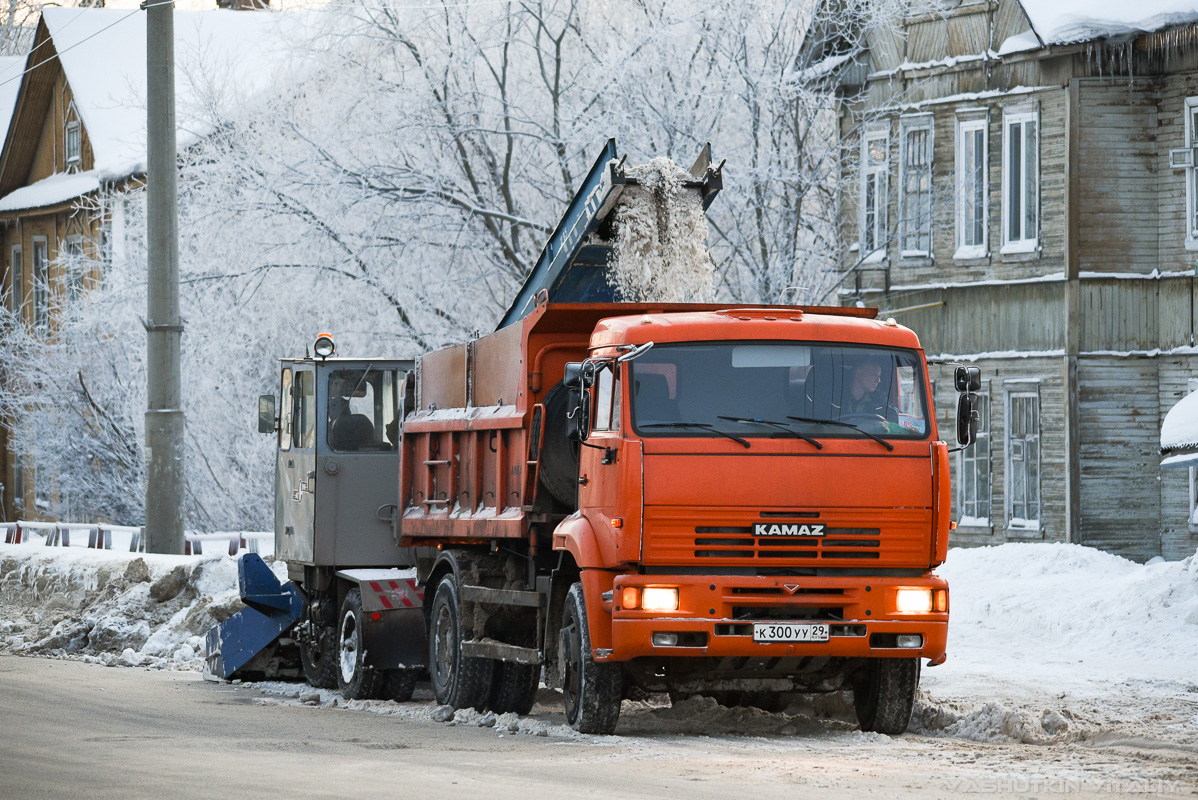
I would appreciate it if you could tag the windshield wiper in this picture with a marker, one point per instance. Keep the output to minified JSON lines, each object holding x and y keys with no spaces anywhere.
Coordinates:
{"x":782,"y":426}
{"x":702,"y":425}
{"x":858,"y":428}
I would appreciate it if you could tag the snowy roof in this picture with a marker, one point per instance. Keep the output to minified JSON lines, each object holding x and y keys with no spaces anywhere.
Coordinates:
{"x":1063,"y":21}
{"x":51,"y":191}
{"x":221,"y":58}
{"x":10,"y":84}
{"x":1180,"y":429}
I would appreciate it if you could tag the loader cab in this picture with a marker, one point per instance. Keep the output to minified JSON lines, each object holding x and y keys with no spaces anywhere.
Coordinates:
{"x":336,"y":426}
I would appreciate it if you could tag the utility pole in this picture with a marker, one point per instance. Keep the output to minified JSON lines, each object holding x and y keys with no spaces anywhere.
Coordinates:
{"x":164,"y":326}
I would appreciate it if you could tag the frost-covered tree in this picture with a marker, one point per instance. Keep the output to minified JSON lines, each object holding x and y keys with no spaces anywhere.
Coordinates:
{"x":397,"y":189}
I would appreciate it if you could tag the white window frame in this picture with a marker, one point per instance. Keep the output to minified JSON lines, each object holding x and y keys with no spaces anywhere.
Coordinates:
{"x":1027,"y":241}
{"x":41,"y":285}
{"x":1023,"y":523}
{"x":966,"y":127}
{"x":881,"y":174}
{"x":967,"y":458}
{"x":1191,"y":175}
{"x":908,"y":125}
{"x":73,"y":131}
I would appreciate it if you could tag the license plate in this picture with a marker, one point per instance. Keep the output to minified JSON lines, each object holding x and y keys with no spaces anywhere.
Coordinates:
{"x":790,"y":632}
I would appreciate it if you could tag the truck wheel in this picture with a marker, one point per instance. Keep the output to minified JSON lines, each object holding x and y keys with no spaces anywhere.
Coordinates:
{"x":592,"y":691}
{"x":884,"y":694}
{"x":514,"y":687}
{"x":355,"y":679}
{"x":399,"y":684}
{"x":457,"y":681}
{"x":319,"y":659}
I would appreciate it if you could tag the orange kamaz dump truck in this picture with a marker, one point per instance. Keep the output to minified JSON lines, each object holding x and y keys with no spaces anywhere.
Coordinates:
{"x":738,"y":502}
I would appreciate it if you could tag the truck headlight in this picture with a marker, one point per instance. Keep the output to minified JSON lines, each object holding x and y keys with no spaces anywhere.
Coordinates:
{"x":659,"y":598}
{"x":913,"y":601}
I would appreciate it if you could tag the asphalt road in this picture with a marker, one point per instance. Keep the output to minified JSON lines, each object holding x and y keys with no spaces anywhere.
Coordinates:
{"x":74,"y":730}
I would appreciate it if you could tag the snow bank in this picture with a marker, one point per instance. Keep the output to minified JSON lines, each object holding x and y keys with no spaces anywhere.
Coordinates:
{"x":112,"y":607}
{"x":1180,"y":428}
{"x":660,"y":252}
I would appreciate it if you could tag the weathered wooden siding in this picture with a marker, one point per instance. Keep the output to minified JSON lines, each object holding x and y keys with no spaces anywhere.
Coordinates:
{"x":1120,"y":438}
{"x":1117,"y":165}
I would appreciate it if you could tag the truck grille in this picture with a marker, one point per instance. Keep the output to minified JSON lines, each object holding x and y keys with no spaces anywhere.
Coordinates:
{"x":740,"y":543}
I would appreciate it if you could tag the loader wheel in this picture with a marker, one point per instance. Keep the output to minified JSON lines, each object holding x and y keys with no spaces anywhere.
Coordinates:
{"x":319,"y":659}
{"x":398,"y":684}
{"x":884,"y":694}
{"x":457,"y":681}
{"x":592,"y":691}
{"x":514,"y":687}
{"x":355,"y":678}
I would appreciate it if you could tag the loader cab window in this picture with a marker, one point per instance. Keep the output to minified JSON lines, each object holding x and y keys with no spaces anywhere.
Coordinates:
{"x":285,"y":411}
{"x":363,"y":410}
{"x":303,"y":424}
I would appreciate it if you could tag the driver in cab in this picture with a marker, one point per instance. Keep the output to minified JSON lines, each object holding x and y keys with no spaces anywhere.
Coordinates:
{"x":865,"y":401}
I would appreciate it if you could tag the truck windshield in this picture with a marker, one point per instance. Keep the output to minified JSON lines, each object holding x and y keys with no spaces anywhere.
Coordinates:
{"x":363,"y":410}
{"x":779,"y":389}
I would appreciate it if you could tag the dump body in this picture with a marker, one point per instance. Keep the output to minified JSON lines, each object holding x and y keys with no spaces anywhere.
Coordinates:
{"x":820,"y":525}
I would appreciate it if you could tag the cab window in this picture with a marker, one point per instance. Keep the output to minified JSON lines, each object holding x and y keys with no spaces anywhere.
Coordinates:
{"x":303,"y":435}
{"x":285,"y":411}
{"x":363,"y":410}
{"x":607,"y":400}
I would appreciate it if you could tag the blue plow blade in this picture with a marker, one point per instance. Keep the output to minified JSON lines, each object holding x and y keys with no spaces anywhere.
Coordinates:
{"x":271,"y":609}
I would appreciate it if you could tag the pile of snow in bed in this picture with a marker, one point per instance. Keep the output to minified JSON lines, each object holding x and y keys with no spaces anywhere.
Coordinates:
{"x":113,"y":607}
{"x":660,"y":250}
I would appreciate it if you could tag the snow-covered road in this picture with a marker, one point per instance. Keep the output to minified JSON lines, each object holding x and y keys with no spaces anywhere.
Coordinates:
{"x":1064,"y":663}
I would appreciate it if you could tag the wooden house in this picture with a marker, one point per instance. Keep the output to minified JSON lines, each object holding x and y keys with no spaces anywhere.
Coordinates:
{"x":76,"y":139}
{"x":1020,"y":187}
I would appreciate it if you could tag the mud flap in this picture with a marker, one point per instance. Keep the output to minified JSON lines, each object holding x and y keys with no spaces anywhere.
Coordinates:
{"x":393,"y":630}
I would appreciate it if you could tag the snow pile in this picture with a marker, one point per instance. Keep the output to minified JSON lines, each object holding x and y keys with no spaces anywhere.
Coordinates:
{"x":113,"y":608}
{"x":659,"y":254}
{"x":1180,"y":428}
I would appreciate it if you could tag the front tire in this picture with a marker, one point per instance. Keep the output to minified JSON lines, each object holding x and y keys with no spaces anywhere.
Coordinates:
{"x":458,"y":681}
{"x":592,"y":691}
{"x":884,"y":694}
{"x":355,"y":679}
{"x":319,"y":657}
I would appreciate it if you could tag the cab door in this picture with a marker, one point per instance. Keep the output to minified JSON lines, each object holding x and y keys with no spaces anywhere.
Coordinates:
{"x":295,"y":466}
{"x":609,"y":472}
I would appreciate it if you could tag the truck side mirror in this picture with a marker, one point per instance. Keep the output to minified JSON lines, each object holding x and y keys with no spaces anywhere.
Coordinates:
{"x":968,"y":379}
{"x":573,"y":374}
{"x":266,"y":414}
{"x":578,"y":402}
{"x":967,"y":419}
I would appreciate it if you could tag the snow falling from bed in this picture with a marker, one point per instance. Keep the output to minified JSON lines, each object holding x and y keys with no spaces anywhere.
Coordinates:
{"x":660,"y":252}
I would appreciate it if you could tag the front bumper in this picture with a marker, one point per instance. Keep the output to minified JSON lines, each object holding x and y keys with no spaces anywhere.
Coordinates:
{"x":716,"y":615}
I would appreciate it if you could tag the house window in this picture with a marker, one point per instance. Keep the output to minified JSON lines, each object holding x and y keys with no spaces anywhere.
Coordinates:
{"x":973,"y":221}
{"x":915,"y":163}
{"x":1191,"y":174}
{"x":18,"y":280}
{"x":74,"y":143}
{"x":41,"y":285}
{"x":74,"y":266}
{"x":875,"y":167}
{"x":973,"y":472}
{"x":1023,"y":459}
{"x":1021,"y":181}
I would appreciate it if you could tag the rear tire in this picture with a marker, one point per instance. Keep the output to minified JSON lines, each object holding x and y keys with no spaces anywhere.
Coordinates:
{"x":457,"y":681}
{"x":884,"y":694}
{"x":514,"y":687}
{"x":355,"y":678}
{"x":399,"y":684}
{"x":592,"y":691}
